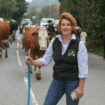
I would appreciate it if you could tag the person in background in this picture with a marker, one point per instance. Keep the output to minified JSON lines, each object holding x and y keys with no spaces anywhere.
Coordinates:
{"x":70,"y":69}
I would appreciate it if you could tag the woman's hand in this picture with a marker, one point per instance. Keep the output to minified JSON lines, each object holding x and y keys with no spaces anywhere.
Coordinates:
{"x":80,"y":89}
{"x":79,"y":92}
{"x":29,"y":60}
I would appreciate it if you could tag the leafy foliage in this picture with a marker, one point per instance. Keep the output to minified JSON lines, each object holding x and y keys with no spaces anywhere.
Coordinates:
{"x":90,"y":15}
{"x":22,"y":8}
{"x":13,"y":9}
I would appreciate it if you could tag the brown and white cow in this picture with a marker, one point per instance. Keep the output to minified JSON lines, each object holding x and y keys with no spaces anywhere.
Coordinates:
{"x":6,"y":29}
{"x":83,"y":36}
{"x":35,"y":42}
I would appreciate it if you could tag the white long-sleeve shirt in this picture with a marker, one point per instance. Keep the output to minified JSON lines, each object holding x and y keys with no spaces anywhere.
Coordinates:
{"x":82,"y":56}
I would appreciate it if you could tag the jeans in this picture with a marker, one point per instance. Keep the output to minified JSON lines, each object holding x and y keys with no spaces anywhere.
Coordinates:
{"x":57,"y":89}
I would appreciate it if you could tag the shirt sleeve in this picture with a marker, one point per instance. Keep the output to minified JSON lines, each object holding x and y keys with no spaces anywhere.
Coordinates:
{"x":82,"y":60}
{"x":47,"y":58}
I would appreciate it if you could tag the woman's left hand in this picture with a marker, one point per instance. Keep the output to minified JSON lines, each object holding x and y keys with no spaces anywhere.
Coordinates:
{"x":79,"y":92}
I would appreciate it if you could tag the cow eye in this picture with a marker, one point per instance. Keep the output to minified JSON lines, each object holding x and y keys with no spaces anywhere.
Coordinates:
{"x":33,"y":34}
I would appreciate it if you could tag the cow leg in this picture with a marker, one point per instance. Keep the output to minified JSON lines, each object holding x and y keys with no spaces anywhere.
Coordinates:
{"x":4,"y":46}
{"x":34,"y":68}
{"x":6,"y":53}
{"x":13,"y":36}
{"x":22,"y":42}
{"x":10,"y":39}
{"x":8,"y":44}
{"x":38,"y":73}
{"x":31,"y":69}
{"x":0,"y":52}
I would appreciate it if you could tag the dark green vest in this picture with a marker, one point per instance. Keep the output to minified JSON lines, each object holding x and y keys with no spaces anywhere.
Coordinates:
{"x":66,"y":66}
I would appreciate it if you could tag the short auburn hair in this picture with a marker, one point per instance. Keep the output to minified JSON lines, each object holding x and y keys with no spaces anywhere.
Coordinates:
{"x":69,"y":17}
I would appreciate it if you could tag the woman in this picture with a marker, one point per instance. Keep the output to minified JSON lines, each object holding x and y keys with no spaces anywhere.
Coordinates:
{"x":71,"y":63}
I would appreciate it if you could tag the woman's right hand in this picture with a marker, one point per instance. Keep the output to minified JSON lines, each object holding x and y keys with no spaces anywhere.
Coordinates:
{"x":29,"y":60}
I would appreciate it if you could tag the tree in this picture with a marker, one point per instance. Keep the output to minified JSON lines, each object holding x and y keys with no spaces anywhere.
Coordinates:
{"x":13,"y":9}
{"x":55,"y":11}
{"x":7,"y":8}
{"x":69,"y":6}
{"x":22,"y":9}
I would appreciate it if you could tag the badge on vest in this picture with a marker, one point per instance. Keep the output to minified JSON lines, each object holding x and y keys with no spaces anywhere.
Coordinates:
{"x":71,"y":52}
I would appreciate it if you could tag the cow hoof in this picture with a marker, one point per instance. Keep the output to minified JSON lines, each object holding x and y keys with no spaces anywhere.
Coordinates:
{"x":38,"y":76}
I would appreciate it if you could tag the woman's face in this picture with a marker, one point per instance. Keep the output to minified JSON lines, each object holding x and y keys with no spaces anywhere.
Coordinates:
{"x":65,"y":27}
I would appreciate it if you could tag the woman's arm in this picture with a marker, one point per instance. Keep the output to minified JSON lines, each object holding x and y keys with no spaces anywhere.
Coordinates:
{"x":30,"y":61}
{"x":83,"y":68}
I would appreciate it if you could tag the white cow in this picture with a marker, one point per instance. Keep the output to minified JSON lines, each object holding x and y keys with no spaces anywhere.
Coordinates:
{"x":83,"y":36}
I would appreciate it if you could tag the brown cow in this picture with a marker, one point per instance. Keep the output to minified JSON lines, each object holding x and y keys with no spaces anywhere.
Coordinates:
{"x":6,"y":29}
{"x":35,"y":41}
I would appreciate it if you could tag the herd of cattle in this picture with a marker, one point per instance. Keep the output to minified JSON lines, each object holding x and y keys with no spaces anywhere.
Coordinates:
{"x":35,"y":40}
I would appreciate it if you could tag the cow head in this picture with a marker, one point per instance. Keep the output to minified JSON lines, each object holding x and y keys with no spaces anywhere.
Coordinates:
{"x":43,"y":37}
{"x":14,"y":24}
